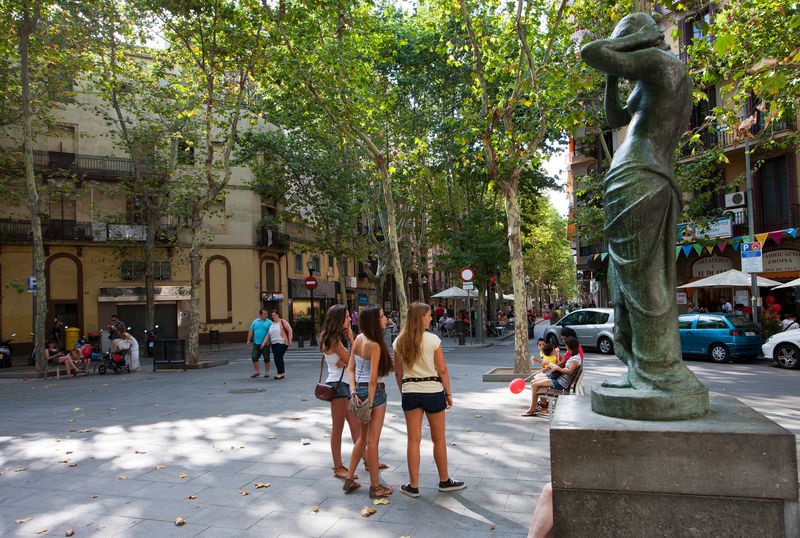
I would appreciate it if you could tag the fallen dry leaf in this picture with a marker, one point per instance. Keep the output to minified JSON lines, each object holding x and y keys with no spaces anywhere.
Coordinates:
{"x":77,"y":409}
{"x":71,"y":420}
{"x":305,"y":441}
{"x":23,"y":520}
{"x":122,"y":477}
{"x":93,"y":497}
{"x":64,"y":461}
{"x":296,"y":418}
{"x":367,"y":511}
{"x":111,"y":408}
{"x":262,"y":486}
{"x":244,"y":493}
{"x":158,"y":467}
{"x":69,"y":451}
{"x":19,"y":470}
{"x":183,"y":475}
{"x":304,"y":399}
{"x":327,"y":436}
{"x":477,"y":416}
{"x":84,"y":430}
{"x":41,"y":531}
{"x":70,"y":532}
{"x":180,"y":522}
{"x":139,"y":452}
{"x":315,"y":509}
{"x":271,"y":437}
{"x":382,"y":500}
{"x":192,"y":497}
{"x":72,"y":465}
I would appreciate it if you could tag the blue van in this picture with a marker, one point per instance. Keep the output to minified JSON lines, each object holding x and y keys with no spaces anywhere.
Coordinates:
{"x":721,"y":337}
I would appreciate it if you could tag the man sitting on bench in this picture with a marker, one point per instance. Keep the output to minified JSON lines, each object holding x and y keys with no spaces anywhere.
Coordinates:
{"x":567,"y":373}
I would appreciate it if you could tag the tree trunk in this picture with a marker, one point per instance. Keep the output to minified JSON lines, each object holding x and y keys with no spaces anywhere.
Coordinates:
{"x":521,"y":361}
{"x":343,"y":280}
{"x":391,"y":235}
{"x":195,"y":257}
{"x":27,"y":27}
{"x":149,"y":277}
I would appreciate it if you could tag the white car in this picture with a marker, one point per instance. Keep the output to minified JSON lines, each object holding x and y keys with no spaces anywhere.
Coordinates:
{"x":784,"y":348}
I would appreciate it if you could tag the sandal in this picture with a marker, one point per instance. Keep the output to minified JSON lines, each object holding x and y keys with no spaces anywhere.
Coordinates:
{"x":344,"y":475}
{"x":266,"y":375}
{"x":380,"y":466}
{"x":376,"y":492}
{"x":529,"y":414}
{"x":255,"y":375}
{"x":279,"y":376}
{"x":350,"y":485}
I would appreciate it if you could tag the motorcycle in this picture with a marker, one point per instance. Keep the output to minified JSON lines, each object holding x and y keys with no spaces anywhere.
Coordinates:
{"x":152,"y":335}
{"x":6,"y":351}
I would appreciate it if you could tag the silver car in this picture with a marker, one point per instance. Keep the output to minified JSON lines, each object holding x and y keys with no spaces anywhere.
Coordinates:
{"x":594,"y":327}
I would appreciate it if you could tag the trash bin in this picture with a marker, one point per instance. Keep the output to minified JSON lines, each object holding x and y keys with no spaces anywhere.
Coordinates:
{"x":73,"y":335}
{"x":213,"y":339}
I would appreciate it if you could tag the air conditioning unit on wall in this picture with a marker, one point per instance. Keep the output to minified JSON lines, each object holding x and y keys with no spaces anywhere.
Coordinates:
{"x":734,"y":199}
{"x":739,"y":215}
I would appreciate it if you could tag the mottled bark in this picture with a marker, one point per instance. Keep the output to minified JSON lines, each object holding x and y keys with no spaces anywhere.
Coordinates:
{"x":521,"y":361}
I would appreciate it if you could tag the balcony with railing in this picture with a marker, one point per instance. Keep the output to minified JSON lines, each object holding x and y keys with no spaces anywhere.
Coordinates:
{"x":774,"y":220}
{"x":272,"y":239}
{"x":19,"y":231}
{"x":92,"y":166}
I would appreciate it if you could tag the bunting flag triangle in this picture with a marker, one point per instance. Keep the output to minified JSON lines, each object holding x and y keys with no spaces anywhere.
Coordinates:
{"x":710,"y":249}
{"x":603,"y":256}
{"x":595,"y":256}
{"x":762,"y":237}
{"x":686,"y":250}
{"x":722,"y":246}
{"x":776,"y":236}
{"x":734,"y":241}
{"x":746,"y":239}
{"x":677,"y":252}
{"x":792,"y":232}
{"x":698,"y":248}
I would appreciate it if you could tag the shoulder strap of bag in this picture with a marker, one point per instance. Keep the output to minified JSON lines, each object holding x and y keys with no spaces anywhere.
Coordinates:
{"x":321,"y":362}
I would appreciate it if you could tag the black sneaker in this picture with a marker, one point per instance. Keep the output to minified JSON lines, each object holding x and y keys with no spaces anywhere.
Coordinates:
{"x":406,"y":489}
{"x":451,"y":485}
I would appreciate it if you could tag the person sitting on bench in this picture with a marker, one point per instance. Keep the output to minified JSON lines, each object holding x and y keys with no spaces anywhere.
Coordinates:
{"x":562,"y":382}
{"x":54,"y":356}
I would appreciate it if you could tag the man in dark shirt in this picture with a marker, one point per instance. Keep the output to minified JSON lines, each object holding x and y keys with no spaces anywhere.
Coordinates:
{"x":117,"y":327}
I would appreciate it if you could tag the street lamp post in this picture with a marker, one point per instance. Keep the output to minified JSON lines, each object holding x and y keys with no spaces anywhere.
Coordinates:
{"x":311,"y":283}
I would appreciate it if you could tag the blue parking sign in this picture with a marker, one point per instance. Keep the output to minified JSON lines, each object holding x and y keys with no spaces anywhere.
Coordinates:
{"x":752,"y":262}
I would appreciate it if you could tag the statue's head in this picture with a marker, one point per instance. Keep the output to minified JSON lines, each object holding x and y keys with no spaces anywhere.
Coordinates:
{"x":634,"y":22}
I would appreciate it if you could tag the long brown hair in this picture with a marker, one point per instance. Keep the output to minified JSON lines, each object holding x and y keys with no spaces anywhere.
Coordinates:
{"x":332,"y":327}
{"x":369,"y":323}
{"x":409,"y":342}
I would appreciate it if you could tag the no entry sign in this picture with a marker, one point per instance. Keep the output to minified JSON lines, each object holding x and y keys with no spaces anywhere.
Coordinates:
{"x":311,"y":282}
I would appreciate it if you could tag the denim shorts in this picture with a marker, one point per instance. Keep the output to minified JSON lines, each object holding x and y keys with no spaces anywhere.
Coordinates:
{"x":380,"y":396}
{"x":430,"y":402}
{"x":342,"y":392}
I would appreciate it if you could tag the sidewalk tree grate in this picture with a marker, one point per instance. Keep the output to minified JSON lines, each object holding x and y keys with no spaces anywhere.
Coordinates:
{"x":245,"y":391}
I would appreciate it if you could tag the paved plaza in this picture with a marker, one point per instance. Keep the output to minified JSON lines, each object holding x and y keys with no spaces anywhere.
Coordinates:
{"x":126,"y":455}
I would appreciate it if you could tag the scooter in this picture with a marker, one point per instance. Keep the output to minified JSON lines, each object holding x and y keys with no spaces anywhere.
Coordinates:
{"x":152,"y":335}
{"x":6,"y":351}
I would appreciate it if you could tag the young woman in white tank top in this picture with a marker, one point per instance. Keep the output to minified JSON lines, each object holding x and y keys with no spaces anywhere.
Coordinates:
{"x":369,"y":365}
{"x":336,"y":328}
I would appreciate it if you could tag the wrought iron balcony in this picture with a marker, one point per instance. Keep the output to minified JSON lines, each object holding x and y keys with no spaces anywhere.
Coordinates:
{"x":17,"y":231}
{"x":270,"y":238}
{"x":92,"y":166}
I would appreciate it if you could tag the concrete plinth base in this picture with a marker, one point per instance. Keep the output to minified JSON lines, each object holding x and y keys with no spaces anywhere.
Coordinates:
{"x":732,"y":472}
{"x":649,"y":404}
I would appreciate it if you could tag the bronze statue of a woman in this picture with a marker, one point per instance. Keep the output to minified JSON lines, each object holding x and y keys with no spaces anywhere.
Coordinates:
{"x":642,"y":201}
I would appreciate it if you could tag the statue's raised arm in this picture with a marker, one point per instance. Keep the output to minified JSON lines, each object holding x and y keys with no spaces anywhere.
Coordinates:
{"x":642,"y":202}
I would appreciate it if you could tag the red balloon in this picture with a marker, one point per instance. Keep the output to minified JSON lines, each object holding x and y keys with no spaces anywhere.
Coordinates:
{"x":770,"y":300}
{"x":517,"y":385}
{"x":776,"y":307}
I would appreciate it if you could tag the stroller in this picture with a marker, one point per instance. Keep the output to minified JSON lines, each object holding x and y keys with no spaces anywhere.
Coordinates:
{"x":117,"y":357}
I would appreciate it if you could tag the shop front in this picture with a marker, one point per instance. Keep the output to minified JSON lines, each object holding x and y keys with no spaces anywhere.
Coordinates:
{"x":300,"y":298}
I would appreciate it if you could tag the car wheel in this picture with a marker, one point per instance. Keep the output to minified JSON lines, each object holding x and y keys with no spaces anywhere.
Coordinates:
{"x":719,"y":353}
{"x":102,"y":369}
{"x":553,"y":340}
{"x":605,"y":345}
{"x":786,"y":356}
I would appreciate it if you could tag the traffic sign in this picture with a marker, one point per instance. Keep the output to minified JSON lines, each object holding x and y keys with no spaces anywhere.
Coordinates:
{"x":468,"y":286}
{"x":752,"y":260}
{"x":30,"y":284}
{"x":467,"y":274}
{"x":311,"y":282}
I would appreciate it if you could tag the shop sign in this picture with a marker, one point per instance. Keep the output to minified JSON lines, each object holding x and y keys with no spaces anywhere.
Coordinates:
{"x":683,"y":298}
{"x":781,"y":260}
{"x":351,"y":282}
{"x":271,"y":296}
{"x":363,"y":299}
{"x":688,"y":233}
{"x":711,"y":265}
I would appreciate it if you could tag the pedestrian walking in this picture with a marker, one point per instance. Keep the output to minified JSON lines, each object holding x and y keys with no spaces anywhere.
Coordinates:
{"x":421,"y":374}
{"x":336,"y":328}
{"x":255,"y":340}
{"x":367,"y":370}
{"x":280,"y":338}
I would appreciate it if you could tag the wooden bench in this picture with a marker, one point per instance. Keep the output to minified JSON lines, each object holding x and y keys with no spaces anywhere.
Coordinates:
{"x":54,"y":365}
{"x":576,"y":387}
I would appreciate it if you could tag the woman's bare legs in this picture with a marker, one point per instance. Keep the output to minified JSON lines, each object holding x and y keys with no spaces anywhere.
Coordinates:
{"x":437,"y":423}
{"x":373,"y":437}
{"x":535,"y":386}
{"x":414,"y":429}
{"x":340,"y":413}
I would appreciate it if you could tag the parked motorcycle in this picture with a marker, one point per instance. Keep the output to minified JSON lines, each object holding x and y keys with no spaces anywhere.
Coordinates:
{"x":152,"y":335}
{"x":6,"y":351}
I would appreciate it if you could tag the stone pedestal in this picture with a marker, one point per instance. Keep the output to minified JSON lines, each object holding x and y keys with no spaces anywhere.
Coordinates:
{"x":732,"y":472}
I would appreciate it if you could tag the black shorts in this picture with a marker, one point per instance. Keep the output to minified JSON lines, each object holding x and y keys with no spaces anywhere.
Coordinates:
{"x":430,"y":402}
